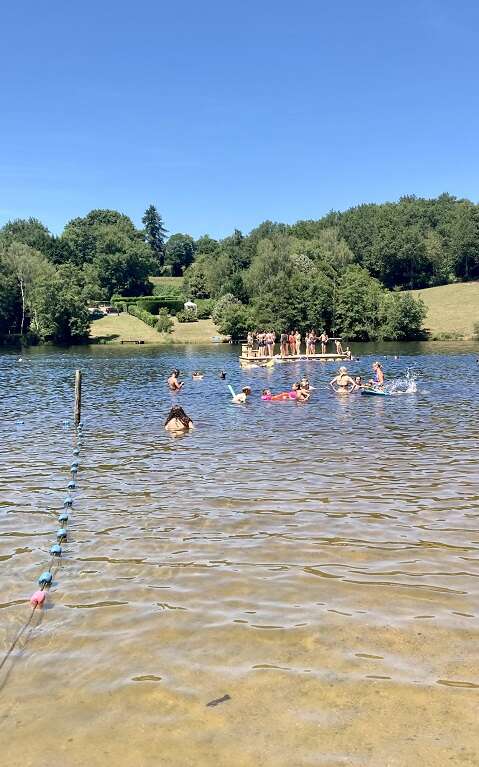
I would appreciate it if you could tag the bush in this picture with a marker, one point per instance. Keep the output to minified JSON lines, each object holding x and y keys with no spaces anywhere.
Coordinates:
{"x":235,"y":321}
{"x":475,"y":331}
{"x":143,"y":315}
{"x":222,"y":306}
{"x":164,"y":324}
{"x":186,"y":317}
{"x":151,"y":304}
{"x":404,"y":316}
{"x":205,"y":308}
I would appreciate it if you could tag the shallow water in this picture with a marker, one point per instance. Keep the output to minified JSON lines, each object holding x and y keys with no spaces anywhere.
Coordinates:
{"x":317,"y":563}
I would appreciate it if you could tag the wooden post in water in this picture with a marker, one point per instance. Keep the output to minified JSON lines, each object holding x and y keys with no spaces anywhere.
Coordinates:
{"x":77,"y":412}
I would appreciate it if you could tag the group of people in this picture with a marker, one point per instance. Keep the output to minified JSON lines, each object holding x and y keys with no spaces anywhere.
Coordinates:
{"x":343,"y":383}
{"x":290,"y":343}
{"x":178,"y":421}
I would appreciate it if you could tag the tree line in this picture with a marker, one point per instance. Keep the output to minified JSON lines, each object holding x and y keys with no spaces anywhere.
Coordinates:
{"x":347,"y":272}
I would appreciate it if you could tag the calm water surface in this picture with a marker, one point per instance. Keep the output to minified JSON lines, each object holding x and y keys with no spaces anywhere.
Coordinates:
{"x":317,"y":563}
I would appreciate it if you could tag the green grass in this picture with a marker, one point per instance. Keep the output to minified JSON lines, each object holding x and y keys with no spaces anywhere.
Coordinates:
{"x":176,"y":281}
{"x":452,"y":310}
{"x":115,"y":328}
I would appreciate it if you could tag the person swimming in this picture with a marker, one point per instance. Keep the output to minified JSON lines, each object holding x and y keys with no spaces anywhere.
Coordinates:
{"x":197,"y":376}
{"x":240,"y":399}
{"x":173,"y":383}
{"x":343,"y":383}
{"x":302,"y":394}
{"x":266,"y":395}
{"x":178,"y":421}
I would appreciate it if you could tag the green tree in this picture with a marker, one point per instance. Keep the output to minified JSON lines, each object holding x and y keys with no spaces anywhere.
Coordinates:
{"x":235,"y":321}
{"x":403,"y":317}
{"x":359,"y":304}
{"x":179,"y":253}
{"x":155,"y":233}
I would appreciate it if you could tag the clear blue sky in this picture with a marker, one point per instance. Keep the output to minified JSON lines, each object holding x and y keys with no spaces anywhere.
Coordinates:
{"x":225,"y":114}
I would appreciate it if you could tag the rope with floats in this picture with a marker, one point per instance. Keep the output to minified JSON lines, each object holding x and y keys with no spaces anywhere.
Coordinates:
{"x":45,"y":580}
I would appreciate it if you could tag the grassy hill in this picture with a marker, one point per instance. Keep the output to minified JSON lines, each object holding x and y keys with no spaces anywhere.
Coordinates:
{"x":115,"y":328}
{"x":452,"y":309}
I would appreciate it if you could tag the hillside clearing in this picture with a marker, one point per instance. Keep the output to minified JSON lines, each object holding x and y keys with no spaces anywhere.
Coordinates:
{"x":115,"y":328}
{"x":452,"y":309}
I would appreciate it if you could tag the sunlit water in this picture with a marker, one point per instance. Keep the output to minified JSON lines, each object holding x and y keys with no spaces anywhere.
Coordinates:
{"x":318,"y":563}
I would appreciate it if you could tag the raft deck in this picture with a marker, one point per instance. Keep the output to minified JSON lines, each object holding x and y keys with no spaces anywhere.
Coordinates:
{"x":262,"y":361}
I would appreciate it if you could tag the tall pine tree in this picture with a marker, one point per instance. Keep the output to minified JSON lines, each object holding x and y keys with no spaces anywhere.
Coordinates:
{"x":155,"y":233}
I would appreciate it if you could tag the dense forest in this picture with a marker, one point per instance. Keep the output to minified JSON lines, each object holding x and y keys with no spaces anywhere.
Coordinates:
{"x":348,"y":272}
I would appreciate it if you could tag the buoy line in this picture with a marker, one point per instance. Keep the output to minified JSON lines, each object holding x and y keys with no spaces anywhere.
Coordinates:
{"x":45,"y":580}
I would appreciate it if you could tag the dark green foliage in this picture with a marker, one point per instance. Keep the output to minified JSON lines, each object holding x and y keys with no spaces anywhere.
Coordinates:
{"x":179,"y":253}
{"x":155,"y":233}
{"x":143,"y":315}
{"x":358,"y":305}
{"x":152,"y":304}
{"x":403,"y":317}
{"x":236,"y":321}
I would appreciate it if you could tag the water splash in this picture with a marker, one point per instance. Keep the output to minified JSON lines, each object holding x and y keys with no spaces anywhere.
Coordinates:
{"x":406,"y":385}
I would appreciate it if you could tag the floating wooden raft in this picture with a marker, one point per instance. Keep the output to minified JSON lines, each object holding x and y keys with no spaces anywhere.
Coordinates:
{"x":250,"y":357}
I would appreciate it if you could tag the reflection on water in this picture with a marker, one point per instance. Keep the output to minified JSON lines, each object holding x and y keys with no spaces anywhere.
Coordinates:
{"x":310,"y":569}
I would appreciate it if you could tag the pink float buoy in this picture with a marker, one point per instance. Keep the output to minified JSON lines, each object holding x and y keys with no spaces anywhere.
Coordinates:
{"x":37,"y":598}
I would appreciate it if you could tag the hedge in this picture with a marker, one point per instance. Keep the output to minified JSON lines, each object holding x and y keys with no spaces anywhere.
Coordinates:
{"x":143,"y":315}
{"x":150,"y":304}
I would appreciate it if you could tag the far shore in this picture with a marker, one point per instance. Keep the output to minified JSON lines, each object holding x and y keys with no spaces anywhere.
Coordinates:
{"x":124,"y":328}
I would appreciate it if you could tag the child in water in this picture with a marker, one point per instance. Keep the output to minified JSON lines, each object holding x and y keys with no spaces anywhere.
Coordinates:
{"x":240,"y":399}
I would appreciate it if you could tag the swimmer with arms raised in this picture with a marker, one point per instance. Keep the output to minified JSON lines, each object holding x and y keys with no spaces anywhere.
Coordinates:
{"x":343,"y":383}
{"x":177,"y":421}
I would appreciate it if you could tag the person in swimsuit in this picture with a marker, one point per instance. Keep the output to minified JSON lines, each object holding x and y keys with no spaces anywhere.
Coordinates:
{"x":358,"y":382}
{"x":178,"y":421}
{"x":324,"y":340}
{"x":343,"y":383}
{"x":173,"y":383}
{"x":283,"y":341}
{"x":292,"y":343}
{"x":266,"y":395}
{"x":378,"y":379}
{"x":301,"y":394}
{"x":339,"y":348}
{"x":197,"y":376}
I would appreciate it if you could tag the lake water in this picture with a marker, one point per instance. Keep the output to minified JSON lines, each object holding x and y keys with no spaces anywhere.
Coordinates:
{"x":317,"y":563}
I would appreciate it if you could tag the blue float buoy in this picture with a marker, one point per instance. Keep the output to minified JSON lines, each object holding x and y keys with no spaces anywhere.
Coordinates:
{"x":76,"y":451}
{"x":62,"y":533}
{"x":71,"y":485}
{"x":66,"y":422}
{"x":63,"y":517}
{"x":74,"y":469}
{"x":45,"y":578}
{"x":68,"y":501}
{"x":56,"y":550}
